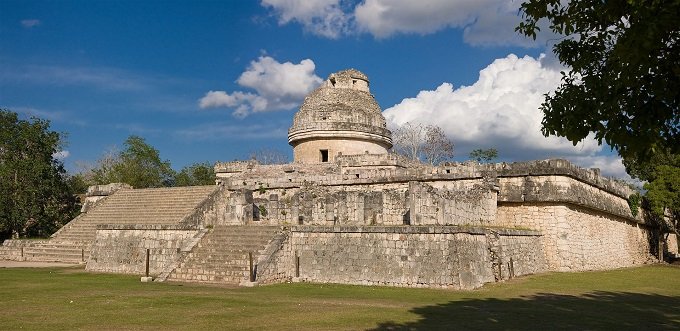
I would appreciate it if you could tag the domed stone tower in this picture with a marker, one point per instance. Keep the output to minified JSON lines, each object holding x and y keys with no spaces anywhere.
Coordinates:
{"x":339,"y":117}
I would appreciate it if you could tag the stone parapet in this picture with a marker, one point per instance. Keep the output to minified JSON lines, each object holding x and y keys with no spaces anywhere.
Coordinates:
{"x":234,"y":167}
{"x":106,"y":190}
{"x":414,"y":229}
{"x":564,"y":189}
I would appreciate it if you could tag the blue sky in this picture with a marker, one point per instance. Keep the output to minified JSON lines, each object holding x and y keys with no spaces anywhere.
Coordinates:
{"x":216,"y":80}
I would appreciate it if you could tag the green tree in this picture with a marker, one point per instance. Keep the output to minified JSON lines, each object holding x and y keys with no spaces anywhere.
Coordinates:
{"x":484,"y":155}
{"x":663,"y":194}
{"x":138,"y":164}
{"x":624,"y":79}
{"x":662,"y":173}
{"x":35,"y":195}
{"x":196,"y":174}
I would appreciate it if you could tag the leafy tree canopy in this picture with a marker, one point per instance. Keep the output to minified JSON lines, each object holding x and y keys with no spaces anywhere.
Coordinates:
{"x":196,"y":174}
{"x":138,"y":164}
{"x":35,"y":195}
{"x":624,"y":82}
{"x":484,"y":155}
{"x":662,"y":174}
{"x":663,"y":195}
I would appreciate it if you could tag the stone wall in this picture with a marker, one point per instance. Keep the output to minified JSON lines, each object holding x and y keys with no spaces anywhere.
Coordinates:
{"x":392,"y":204}
{"x":565,"y":189}
{"x":431,"y":206}
{"x":310,"y":151}
{"x":13,"y":249}
{"x":96,"y":193}
{"x":672,"y":245}
{"x":413,"y":256}
{"x":577,"y":238}
{"x":212,"y":211}
{"x":276,"y":263}
{"x":327,"y":205}
{"x":123,"y":250}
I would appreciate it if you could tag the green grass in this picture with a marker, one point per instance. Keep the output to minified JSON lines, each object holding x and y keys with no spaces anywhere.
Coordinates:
{"x":67,"y":299}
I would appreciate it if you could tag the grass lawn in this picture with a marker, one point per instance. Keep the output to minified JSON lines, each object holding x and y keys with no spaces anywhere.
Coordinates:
{"x":645,"y":298}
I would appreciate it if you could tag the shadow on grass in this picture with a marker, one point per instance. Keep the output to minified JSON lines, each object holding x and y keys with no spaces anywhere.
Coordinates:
{"x":592,"y":311}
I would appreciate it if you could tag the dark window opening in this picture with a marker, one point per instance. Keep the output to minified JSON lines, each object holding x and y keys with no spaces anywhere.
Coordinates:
{"x":324,"y":155}
{"x":332,"y":81}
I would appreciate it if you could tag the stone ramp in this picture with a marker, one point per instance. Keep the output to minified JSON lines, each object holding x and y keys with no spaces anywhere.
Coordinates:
{"x":222,"y":255}
{"x":155,"y":206}
{"x":158,"y":206}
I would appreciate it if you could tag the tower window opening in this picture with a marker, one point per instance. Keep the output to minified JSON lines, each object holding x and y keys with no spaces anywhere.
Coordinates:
{"x":324,"y":155}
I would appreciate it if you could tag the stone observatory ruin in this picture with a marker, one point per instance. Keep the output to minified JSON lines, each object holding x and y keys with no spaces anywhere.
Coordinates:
{"x":340,"y":117}
{"x":349,"y":211}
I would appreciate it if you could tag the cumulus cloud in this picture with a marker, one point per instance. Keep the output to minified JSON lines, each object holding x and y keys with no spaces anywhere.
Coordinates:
{"x":30,"y":23}
{"x":500,"y":110}
{"x":277,"y":86}
{"x":321,"y":17}
{"x":484,"y":22}
{"x":609,"y":165}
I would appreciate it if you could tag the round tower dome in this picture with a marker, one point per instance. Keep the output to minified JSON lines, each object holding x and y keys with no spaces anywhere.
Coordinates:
{"x":339,"y":117}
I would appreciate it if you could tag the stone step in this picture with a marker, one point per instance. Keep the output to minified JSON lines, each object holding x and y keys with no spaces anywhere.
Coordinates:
{"x":188,"y":272}
{"x":56,"y":257}
{"x":72,"y":237}
{"x":229,"y":244}
{"x":212,"y":279}
{"x":223,"y":269}
{"x":222,"y":259}
{"x":256,"y":236}
{"x":222,"y":255}
{"x":55,"y":250}
{"x":148,"y":208}
{"x":230,"y":256}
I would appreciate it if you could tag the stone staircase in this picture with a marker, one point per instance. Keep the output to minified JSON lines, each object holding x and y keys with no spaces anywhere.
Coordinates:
{"x":155,"y":206}
{"x":43,"y":250}
{"x":222,"y":255}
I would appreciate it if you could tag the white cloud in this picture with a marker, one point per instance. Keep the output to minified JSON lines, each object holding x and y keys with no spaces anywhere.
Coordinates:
{"x":278,"y":86}
{"x":61,"y":155}
{"x":500,"y":110}
{"x":218,"y":131}
{"x":322,"y":17}
{"x":384,"y":18}
{"x":484,"y":22}
{"x":100,"y":77}
{"x":30,"y":23}
{"x":609,"y":165}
